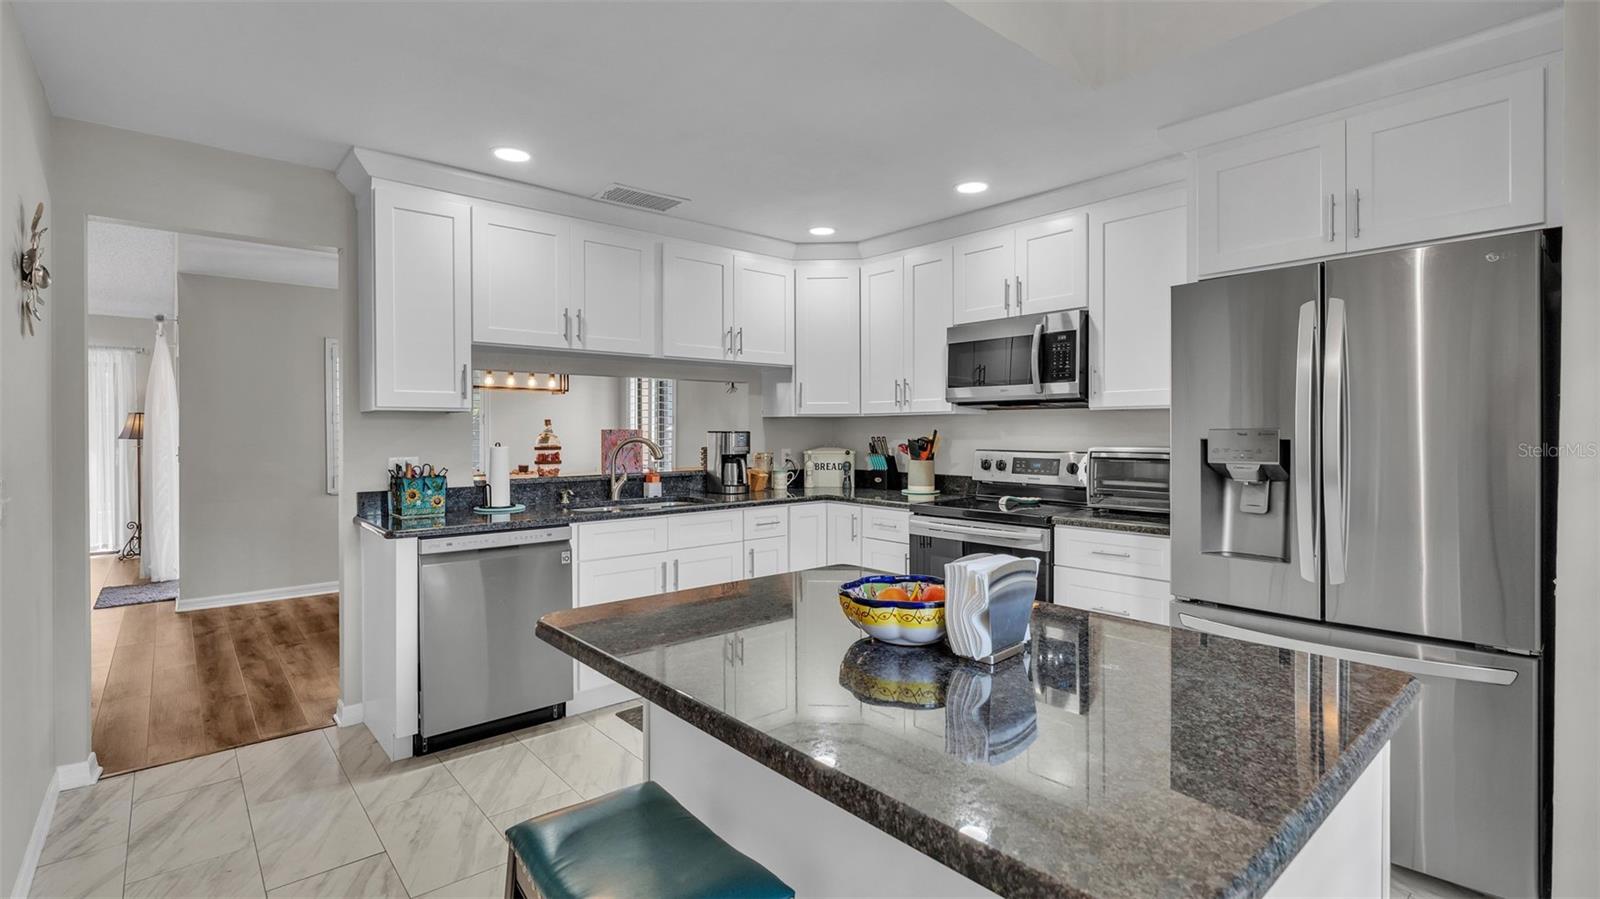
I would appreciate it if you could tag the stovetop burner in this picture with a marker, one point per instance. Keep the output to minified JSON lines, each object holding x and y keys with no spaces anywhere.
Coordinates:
{"x":987,"y":508}
{"x":1053,"y":477}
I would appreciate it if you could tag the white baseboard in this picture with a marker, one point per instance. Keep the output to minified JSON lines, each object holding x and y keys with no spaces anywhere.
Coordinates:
{"x":190,"y":604}
{"x":346,"y":715}
{"x":78,"y":774}
{"x":41,"y":829}
{"x":599,"y":698}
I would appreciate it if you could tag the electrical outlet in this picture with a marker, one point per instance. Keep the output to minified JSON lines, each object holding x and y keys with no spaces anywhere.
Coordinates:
{"x":402,"y":461}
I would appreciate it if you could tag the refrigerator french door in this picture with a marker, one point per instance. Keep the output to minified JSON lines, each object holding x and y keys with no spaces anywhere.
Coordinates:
{"x":1356,"y":472}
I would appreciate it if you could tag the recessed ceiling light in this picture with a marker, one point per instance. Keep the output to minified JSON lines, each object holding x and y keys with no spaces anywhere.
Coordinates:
{"x":972,"y":187}
{"x":512,"y":154}
{"x":822,"y":231}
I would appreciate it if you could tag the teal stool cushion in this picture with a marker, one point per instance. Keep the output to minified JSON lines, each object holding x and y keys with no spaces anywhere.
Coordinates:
{"x":637,"y":841}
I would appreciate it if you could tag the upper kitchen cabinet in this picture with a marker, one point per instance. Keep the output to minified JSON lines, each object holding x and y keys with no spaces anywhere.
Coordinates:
{"x":1460,"y":161}
{"x":827,"y":372}
{"x":1138,"y":249}
{"x":614,"y":290}
{"x":696,"y":296}
{"x":928,"y":304}
{"x":521,"y":281}
{"x":1040,"y":266}
{"x":763,"y":310}
{"x":905,"y":310}
{"x":883,"y":336}
{"x":416,"y":300}
{"x":1271,"y":200}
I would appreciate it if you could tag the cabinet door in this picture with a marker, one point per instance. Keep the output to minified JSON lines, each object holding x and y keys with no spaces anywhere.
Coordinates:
{"x":1052,"y":264}
{"x":928,"y":307}
{"x":769,"y":555}
{"x":985,"y":265}
{"x":609,"y":580}
{"x":883,"y":337}
{"x":703,"y":566}
{"x":886,"y":555}
{"x":808,"y":536}
{"x":1455,"y":162}
{"x":1271,"y":200}
{"x":521,"y":286}
{"x":763,"y":310}
{"x":614,"y":296}
{"x":827,"y":338}
{"x":420,"y":319}
{"x":1138,"y":249}
{"x":700,"y":668}
{"x":763,"y":674}
{"x":844,"y":534}
{"x":696,"y":301}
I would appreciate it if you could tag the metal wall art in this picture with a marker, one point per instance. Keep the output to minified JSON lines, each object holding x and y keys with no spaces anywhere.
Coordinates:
{"x":35,"y":277}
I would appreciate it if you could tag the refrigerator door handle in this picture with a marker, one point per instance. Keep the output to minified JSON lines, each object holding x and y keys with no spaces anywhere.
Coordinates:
{"x":1335,"y":443}
{"x":1305,"y":492}
{"x":1478,"y":674}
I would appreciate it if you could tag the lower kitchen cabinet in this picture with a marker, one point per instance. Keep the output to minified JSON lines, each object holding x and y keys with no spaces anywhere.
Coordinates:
{"x":886,"y":555}
{"x":702,"y":566}
{"x":808,"y":536}
{"x":844,"y":534}
{"x":769,"y":555}
{"x":609,"y":580}
{"x":1114,"y":573}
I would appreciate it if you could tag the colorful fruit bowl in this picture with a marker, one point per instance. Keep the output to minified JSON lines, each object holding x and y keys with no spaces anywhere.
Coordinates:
{"x":895,"y":624}
{"x":902,"y":591}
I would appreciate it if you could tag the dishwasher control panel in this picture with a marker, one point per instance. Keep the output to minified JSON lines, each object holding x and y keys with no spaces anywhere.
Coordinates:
{"x":428,"y":546}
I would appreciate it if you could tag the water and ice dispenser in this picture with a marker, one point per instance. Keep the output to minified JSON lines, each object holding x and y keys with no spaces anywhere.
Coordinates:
{"x":1244,"y":493}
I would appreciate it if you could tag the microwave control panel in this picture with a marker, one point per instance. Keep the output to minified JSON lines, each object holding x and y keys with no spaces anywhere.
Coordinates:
{"x":1060,"y":357}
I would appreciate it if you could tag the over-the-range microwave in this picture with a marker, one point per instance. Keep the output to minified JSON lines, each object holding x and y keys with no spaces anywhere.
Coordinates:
{"x":1027,"y":360}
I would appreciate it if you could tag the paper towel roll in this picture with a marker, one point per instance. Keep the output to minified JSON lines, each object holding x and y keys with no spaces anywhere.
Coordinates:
{"x":499,"y":476}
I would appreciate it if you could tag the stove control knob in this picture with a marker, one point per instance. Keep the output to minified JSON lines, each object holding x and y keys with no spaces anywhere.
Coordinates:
{"x":1072,"y":468}
{"x":1001,"y":465}
{"x":983,"y":464}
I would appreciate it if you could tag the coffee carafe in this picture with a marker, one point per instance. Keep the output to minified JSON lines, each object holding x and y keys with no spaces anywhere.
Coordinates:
{"x":727,"y":458}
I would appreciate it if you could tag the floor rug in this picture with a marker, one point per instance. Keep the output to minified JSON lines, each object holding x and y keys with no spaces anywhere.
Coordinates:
{"x":136,"y":594}
{"x":634,"y":716}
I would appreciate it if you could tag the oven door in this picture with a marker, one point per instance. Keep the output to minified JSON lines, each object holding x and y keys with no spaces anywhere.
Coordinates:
{"x":1031,"y":360}
{"x":937,"y":541}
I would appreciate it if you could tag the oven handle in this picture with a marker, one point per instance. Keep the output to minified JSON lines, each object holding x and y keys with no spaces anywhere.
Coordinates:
{"x":1037,"y":540}
{"x":1038,"y":335}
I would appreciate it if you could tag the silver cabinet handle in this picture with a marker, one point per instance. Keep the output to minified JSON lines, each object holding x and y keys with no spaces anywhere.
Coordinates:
{"x":580,"y":326}
{"x":1331,"y":203}
{"x":852,"y":528}
{"x":738,"y":640}
{"x":566,"y":325}
{"x":727,"y":340}
{"x":908,"y":563}
{"x":1335,"y":442}
{"x":897,"y":398}
{"x":752,"y":563}
{"x":727,"y":650}
{"x":800,"y":396}
{"x":1118,"y":612}
{"x":741,"y":341}
{"x":663,"y":574}
{"x":674,"y":574}
{"x":463,"y":380}
{"x":1105,"y":552}
{"x":1304,"y":488}
{"x":1007,"y":284}
{"x":908,"y":391}
{"x":1355,"y":231}
{"x":1019,"y":293}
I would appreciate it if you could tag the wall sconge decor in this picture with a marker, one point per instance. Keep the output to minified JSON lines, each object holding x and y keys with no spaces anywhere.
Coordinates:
{"x":35,"y":277}
{"x":548,"y":382}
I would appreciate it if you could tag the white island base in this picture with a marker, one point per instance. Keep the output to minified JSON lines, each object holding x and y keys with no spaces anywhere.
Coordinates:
{"x":822,"y":850}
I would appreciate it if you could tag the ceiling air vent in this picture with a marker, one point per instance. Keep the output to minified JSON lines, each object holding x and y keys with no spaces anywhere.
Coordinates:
{"x":623,"y":195}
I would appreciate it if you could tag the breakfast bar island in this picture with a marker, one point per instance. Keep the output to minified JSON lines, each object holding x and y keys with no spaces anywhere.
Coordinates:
{"x":1110,"y":759}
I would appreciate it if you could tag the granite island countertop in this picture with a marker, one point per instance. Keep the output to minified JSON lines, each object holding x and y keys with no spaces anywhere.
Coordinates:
{"x":1112,"y":759}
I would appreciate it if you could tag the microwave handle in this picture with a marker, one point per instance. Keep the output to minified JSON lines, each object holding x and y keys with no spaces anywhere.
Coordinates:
{"x":1038,"y":338}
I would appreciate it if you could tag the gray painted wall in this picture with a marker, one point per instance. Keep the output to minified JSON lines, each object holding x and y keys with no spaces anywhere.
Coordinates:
{"x":254,"y":511}
{"x":27,"y":689}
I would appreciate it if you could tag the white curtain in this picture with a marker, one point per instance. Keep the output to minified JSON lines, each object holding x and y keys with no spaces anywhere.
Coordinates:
{"x":113,"y":393}
{"x":160,"y":556}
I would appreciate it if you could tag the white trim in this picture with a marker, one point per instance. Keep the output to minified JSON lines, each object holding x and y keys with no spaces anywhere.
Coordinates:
{"x":41,"y":829}
{"x":599,"y":698}
{"x":190,"y":604}
{"x":346,"y":715}
{"x":78,"y":774}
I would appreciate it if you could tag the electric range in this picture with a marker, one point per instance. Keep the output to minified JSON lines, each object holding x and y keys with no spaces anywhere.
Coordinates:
{"x":1017,"y":493}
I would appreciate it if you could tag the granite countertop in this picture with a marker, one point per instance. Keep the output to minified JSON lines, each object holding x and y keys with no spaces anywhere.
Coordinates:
{"x":1113,"y":520}
{"x":546,"y":514}
{"x":1112,"y":759}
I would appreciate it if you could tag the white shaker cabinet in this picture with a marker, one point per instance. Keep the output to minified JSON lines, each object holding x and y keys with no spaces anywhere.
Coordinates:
{"x":702,"y":566}
{"x":1452,"y":162}
{"x":521,"y":277}
{"x":769,"y":555}
{"x":614,"y":291}
{"x":416,"y":303}
{"x":609,"y":580}
{"x":808,"y":536}
{"x":763,"y":310}
{"x":928,"y":305}
{"x":696,"y":292}
{"x":1272,"y":199}
{"x":844,"y":534}
{"x":886,"y":555}
{"x":827,"y":371}
{"x":985,"y":265}
{"x":1138,"y":249}
{"x":1038,"y":266}
{"x":883,"y":336}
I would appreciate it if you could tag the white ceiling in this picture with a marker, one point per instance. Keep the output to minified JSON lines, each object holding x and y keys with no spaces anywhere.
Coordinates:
{"x":771,"y":117}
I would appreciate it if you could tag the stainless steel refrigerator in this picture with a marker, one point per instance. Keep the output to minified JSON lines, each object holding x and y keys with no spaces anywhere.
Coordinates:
{"x":1359,"y":468}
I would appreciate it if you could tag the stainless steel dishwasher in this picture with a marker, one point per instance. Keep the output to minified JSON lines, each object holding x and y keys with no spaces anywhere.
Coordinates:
{"x":482,"y":670}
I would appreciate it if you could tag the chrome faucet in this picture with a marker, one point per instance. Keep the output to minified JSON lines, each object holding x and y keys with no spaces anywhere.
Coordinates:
{"x":618,"y":478}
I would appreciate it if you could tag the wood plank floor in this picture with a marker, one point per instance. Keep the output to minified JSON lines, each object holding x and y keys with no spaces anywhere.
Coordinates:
{"x":169,"y":686}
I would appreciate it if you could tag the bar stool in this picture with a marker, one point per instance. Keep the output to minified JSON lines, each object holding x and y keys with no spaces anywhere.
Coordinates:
{"x":637,"y":841}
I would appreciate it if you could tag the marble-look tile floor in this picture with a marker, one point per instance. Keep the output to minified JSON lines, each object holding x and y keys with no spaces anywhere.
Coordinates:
{"x":325,"y":813}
